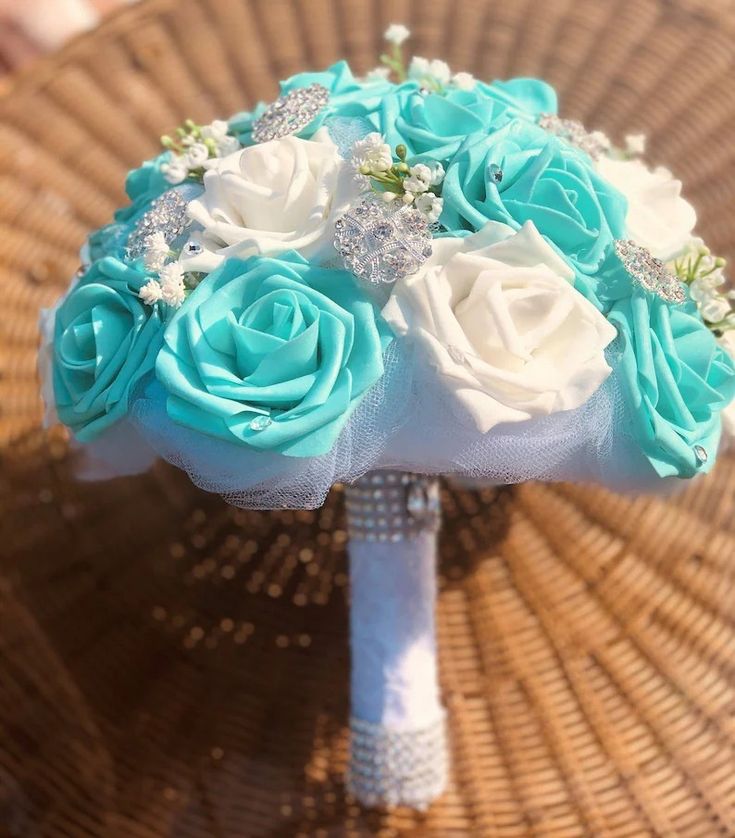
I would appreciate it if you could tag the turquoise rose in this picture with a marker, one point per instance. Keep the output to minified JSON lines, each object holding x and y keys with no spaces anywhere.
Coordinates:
{"x":272,"y":353}
{"x":348,"y":97}
{"x":520,"y":173}
{"x":433,"y":126}
{"x":105,"y":341}
{"x":676,"y":380}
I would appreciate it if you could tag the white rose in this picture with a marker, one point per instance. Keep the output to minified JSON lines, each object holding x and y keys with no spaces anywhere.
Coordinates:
{"x":498,"y":317}
{"x":281,"y":195}
{"x":658,"y":218}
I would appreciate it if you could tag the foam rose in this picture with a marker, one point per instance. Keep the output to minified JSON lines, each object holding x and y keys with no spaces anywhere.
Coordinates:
{"x":658,"y":218}
{"x":497,"y":315}
{"x":269,"y":198}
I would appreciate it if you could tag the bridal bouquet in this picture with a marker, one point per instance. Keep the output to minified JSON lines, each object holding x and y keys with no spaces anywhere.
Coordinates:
{"x":433,"y":273}
{"x":416,"y":270}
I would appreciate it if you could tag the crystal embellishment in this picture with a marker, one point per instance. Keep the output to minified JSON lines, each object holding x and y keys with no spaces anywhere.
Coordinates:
{"x":291,"y":113}
{"x":594,"y":143}
{"x":700,"y":452}
{"x":166,"y":215}
{"x":381,"y":243}
{"x":649,"y":272}
{"x":397,"y":767}
{"x":392,"y":506}
{"x":260,"y":423}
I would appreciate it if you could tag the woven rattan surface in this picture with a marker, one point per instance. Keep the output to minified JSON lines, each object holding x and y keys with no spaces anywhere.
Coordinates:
{"x":170,"y":666}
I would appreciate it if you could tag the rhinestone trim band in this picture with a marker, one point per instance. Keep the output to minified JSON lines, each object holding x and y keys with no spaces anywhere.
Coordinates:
{"x":397,"y":767}
{"x":593,"y":143}
{"x":649,"y":272}
{"x":291,"y":113}
{"x":392,"y":506}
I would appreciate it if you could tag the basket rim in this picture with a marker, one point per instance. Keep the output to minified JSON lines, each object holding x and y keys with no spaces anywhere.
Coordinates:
{"x":719,"y":13}
{"x":118,"y":22}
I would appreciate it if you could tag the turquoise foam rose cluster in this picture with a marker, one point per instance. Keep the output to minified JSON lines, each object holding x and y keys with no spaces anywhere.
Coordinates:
{"x":271,"y":347}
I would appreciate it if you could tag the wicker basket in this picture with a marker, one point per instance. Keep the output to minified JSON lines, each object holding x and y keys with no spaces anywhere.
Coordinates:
{"x":170,"y":666}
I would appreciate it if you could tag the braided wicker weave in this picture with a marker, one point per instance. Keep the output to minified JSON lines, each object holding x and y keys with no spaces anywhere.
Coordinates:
{"x":170,"y":666}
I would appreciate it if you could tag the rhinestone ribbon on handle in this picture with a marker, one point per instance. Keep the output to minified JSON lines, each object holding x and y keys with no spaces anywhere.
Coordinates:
{"x":398,"y":752}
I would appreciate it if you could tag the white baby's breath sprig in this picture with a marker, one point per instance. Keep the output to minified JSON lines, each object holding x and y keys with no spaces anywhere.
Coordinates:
{"x":151,"y":292}
{"x":393,"y":59}
{"x":175,"y":169}
{"x":635,"y":144}
{"x":156,"y":251}
{"x":377,"y":74}
{"x":197,"y":154}
{"x":394,"y":179}
{"x":463,"y":81}
{"x":418,"y":180}
{"x":436,"y":76}
{"x":173,"y":289}
{"x":704,"y":274}
{"x":193,"y":146}
{"x":430,"y":205}
{"x":397,"y":33}
{"x":372,"y":154}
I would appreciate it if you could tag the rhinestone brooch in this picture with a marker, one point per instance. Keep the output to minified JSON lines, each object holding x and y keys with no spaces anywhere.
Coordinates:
{"x":290,"y":113}
{"x":594,"y":143}
{"x":380,"y":243}
{"x":649,"y":272}
{"x":166,"y":215}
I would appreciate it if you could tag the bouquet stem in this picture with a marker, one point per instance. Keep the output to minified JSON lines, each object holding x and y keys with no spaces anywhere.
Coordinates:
{"x":398,"y":747}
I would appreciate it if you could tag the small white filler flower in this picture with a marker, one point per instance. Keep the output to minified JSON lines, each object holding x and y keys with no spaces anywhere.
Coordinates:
{"x":173,"y":291}
{"x":397,"y":33}
{"x":151,"y":292}
{"x":156,"y":251}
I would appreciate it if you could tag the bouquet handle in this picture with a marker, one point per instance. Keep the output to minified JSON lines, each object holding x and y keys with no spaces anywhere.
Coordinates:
{"x":398,"y":750}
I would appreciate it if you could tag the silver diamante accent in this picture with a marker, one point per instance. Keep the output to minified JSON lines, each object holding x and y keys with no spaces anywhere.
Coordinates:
{"x":594,"y":143}
{"x":290,"y":113}
{"x":166,"y":215}
{"x":397,"y":767}
{"x":260,"y":423}
{"x":392,"y":506}
{"x":649,"y":272}
{"x":380,"y":242}
{"x":496,"y":173}
{"x":700,"y":452}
